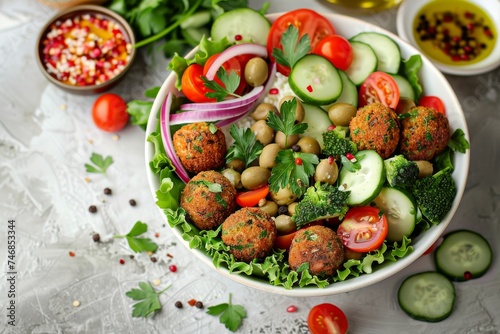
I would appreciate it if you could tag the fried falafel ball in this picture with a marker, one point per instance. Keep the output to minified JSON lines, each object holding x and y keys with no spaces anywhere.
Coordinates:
{"x":200,"y":147}
{"x":250,"y":233}
{"x":424,"y":133}
{"x":375,"y":127}
{"x":320,"y":247}
{"x":208,"y":198}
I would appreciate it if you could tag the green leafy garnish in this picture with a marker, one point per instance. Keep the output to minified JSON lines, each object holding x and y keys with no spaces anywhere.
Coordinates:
{"x":293,"y":48}
{"x":100,"y":164}
{"x":212,"y":186}
{"x":410,"y":70}
{"x":139,"y":244}
{"x":286,"y":123}
{"x":458,"y":142}
{"x":288,"y":173}
{"x":229,"y":85}
{"x":245,"y":148}
{"x":148,"y":298}
{"x":213,"y":129}
{"x":349,"y":165}
{"x":230,"y":315}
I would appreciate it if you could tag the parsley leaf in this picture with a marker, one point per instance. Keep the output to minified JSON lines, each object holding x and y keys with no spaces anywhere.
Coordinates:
{"x":292,"y":51}
{"x":148,"y":298}
{"x":230,"y":315}
{"x":288,"y":173}
{"x":349,"y":165}
{"x":100,"y":164}
{"x":139,"y":244}
{"x":458,"y":142}
{"x":212,"y":186}
{"x":246,"y":147}
{"x":286,"y":123}
{"x":230,"y":83}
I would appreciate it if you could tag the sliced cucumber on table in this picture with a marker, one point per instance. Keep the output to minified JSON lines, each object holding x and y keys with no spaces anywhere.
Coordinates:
{"x":463,"y":255}
{"x":247,"y":23}
{"x":386,"y":50}
{"x":427,"y":296}
{"x":364,"y":62}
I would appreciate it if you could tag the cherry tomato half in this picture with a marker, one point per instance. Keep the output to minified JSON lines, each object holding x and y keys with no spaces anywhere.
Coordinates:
{"x":379,"y":87}
{"x":284,"y":241}
{"x":363,"y":229}
{"x":109,"y":112}
{"x":337,"y":50}
{"x":327,"y":319}
{"x":432,"y":102}
{"x":251,"y":197}
{"x":307,"y":21}
{"x":192,"y":84}
{"x":232,"y":64}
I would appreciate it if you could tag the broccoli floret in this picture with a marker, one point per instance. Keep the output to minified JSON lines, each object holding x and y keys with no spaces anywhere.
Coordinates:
{"x":435,"y":194}
{"x":320,"y":202}
{"x":336,"y":142}
{"x":401,"y":172}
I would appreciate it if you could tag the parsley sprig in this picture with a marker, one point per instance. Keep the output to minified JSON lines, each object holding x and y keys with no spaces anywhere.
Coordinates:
{"x":100,"y":164}
{"x":246,"y":147}
{"x":293,"y":48}
{"x":148,"y":298}
{"x":230,"y":83}
{"x":139,"y":244}
{"x":286,"y":123}
{"x":230,"y":315}
{"x":288,"y":173}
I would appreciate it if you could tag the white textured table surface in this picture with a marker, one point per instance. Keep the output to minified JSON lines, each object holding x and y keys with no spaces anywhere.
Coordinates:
{"x":46,"y":136}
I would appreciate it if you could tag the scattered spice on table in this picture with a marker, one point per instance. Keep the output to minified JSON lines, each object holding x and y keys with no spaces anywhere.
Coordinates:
{"x":92,"y":209}
{"x":96,"y":237}
{"x":192,"y":302}
{"x":107,"y":191}
{"x":132,"y":202}
{"x":198,"y":304}
{"x":72,"y":254}
{"x":153,"y":259}
{"x":178,"y":304}
{"x":173,"y":268}
{"x":122,"y":261}
{"x":76,"y":303}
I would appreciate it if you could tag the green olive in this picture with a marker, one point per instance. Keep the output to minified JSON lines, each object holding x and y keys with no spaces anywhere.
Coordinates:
{"x":326,"y":172}
{"x":233,"y":176}
{"x":263,"y":132}
{"x":269,"y":153}
{"x":404,"y":105}
{"x":283,"y":196}
{"x":341,"y":113}
{"x":255,"y":177}
{"x":270,"y":208}
{"x":299,"y":111}
{"x":285,"y":225}
{"x":281,"y":139}
{"x":425,"y":168}
{"x":263,"y":110}
{"x":291,"y":208}
{"x":309,"y":145}
{"x":236,"y":164}
{"x":256,"y":71}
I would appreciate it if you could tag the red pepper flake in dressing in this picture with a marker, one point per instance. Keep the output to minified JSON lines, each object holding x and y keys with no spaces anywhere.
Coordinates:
{"x":309,"y":89}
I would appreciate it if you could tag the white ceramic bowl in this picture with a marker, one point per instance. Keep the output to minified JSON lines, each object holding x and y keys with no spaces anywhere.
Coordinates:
{"x":435,"y":84}
{"x":406,"y":16}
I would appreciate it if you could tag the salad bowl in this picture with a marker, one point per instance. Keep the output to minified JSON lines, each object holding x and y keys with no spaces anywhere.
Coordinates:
{"x":433,"y":82}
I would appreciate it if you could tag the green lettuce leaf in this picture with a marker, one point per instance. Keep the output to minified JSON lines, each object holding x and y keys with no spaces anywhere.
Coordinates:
{"x":410,"y":70}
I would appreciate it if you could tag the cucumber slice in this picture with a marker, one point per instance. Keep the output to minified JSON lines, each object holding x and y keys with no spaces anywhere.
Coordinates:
{"x":386,"y":50}
{"x":349,"y":90}
{"x":251,"y":25}
{"x":315,"y":80}
{"x":428,"y":296}
{"x":364,"y":62}
{"x":405,"y":89}
{"x":401,"y":211}
{"x":364,"y":183}
{"x":463,"y":255}
{"x":318,"y":122}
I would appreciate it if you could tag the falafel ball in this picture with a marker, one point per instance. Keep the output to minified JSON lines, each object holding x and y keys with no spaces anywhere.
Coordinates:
{"x":208,"y":198}
{"x":320,"y":247}
{"x":424,"y":133}
{"x":375,"y":127}
{"x":200,"y":147}
{"x":250,"y":233}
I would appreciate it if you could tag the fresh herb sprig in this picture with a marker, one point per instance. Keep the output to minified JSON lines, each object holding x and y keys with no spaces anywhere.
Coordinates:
{"x":139,"y":244}
{"x":246,"y":147}
{"x":293,"y":48}
{"x":100,"y":164}
{"x":148,"y":298}
{"x":286,"y":123}
{"x":230,"y":83}
{"x":230,"y":315}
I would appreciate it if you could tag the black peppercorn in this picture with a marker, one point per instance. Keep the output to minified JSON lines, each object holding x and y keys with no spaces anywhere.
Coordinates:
{"x":132,"y":202}
{"x":283,"y":210}
{"x":199,"y":304}
{"x":107,"y":191}
{"x":92,"y":209}
{"x":153,"y":259}
{"x":178,"y":304}
{"x":96,"y":237}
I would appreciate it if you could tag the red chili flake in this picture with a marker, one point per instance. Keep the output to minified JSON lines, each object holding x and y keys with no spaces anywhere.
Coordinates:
{"x":455,"y":58}
{"x":470,"y":26}
{"x":487,"y":32}
{"x":331,"y":160}
{"x":468,"y":15}
{"x":331,"y":127}
{"x":157,"y":235}
{"x":309,"y":89}
{"x":291,"y":309}
{"x":192,"y":302}
{"x":173,"y":268}
{"x":274,"y":91}
{"x":456,"y":38}
{"x":72,"y":254}
{"x":122,"y":261}
{"x":350,"y":156}
{"x":238,"y":38}
{"x":170,"y":255}
{"x":468,"y":275}
{"x":298,"y":161}
{"x":464,"y":57}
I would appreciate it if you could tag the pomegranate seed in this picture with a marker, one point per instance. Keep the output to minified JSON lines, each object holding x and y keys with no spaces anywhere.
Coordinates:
{"x":309,"y":89}
{"x":291,"y":309}
{"x":331,"y":160}
{"x":331,"y":128}
{"x":238,"y":38}
{"x":122,"y":261}
{"x":173,"y":268}
{"x":350,"y":156}
{"x":298,"y":161}
{"x":468,"y":275}
{"x":274,"y":91}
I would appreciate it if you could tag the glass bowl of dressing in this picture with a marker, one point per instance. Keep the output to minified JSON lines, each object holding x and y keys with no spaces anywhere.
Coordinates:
{"x":458,"y":36}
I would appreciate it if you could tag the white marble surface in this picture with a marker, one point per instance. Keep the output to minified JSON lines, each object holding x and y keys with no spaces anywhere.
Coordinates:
{"x":46,"y":136}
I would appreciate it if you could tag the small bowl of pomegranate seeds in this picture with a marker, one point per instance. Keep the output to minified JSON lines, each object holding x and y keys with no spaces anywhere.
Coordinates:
{"x":85,"y":49}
